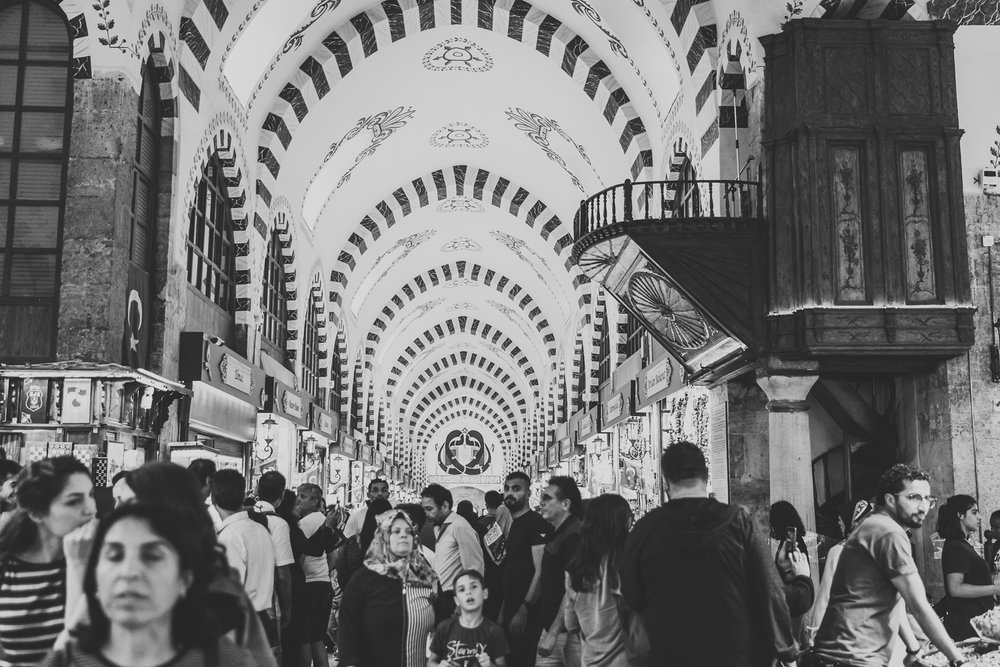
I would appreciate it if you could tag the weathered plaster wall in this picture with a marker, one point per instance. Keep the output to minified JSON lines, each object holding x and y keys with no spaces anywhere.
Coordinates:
{"x":749,"y":485}
{"x":96,"y":231}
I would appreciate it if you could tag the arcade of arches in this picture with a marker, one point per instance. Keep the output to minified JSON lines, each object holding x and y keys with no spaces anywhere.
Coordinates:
{"x":444,"y":240}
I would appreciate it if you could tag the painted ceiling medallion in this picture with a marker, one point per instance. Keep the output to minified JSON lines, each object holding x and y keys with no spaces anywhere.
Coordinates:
{"x":460,"y":205}
{"x":459,"y":135}
{"x":462,"y":244}
{"x":666,"y":309}
{"x":425,"y":308}
{"x":504,"y":310}
{"x":458,"y":55}
{"x":408,"y":244}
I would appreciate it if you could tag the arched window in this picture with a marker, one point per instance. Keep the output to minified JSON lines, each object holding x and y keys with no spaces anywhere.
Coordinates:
{"x":36,"y":100}
{"x":211,"y":255}
{"x":275,"y":328}
{"x":633,"y":335}
{"x":336,"y":382}
{"x":143,"y":213}
{"x":310,"y":354}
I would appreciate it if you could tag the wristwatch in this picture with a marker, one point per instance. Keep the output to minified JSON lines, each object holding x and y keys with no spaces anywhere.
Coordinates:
{"x":956,"y":663}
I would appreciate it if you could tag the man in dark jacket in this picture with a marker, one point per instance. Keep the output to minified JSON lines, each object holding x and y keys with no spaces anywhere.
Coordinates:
{"x":700,"y":574}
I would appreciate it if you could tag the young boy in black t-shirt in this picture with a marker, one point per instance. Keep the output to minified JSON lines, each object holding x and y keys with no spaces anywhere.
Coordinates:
{"x":468,"y":639}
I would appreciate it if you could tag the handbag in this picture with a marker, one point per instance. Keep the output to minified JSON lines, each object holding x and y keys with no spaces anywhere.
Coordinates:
{"x":633,"y":632}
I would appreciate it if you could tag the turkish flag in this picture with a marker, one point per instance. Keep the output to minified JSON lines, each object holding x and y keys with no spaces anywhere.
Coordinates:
{"x":135,"y":338}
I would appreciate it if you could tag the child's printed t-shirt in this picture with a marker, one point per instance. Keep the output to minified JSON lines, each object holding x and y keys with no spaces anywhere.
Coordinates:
{"x":463,"y":646}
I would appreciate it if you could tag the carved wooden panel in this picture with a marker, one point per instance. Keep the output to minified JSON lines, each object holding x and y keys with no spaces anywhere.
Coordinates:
{"x":846,"y":90}
{"x":909,"y":81}
{"x":915,"y":208}
{"x":849,"y":238}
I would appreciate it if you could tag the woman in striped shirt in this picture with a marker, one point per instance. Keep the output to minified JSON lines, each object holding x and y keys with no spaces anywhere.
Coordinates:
{"x":54,"y":497}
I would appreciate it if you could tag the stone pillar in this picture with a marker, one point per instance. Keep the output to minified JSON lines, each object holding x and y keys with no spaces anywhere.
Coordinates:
{"x":787,"y":385}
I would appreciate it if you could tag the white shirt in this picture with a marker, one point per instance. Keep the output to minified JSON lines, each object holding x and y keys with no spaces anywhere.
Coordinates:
{"x":457,"y":549}
{"x":355,"y":522}
{"x":281,"y":536}
{"x":314,"y":567}
{"x":250,"y":552}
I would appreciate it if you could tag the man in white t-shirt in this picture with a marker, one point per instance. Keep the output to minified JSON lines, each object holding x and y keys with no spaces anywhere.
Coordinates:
{"x":318,"y":591}
{"x":377,"y":488}
{"x":270,"y":488}
{"x":248,"y":544}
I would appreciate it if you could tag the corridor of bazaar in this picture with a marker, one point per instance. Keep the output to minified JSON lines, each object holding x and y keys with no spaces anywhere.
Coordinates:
{"x":439,"y":241}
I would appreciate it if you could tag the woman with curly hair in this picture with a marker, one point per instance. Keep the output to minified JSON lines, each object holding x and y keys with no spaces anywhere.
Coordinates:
{"x":387,"y":611}
{"x":592,"y":583}
{"x":967,"y":581}
{"x":146,"y":586}
{"x":54,"y":498}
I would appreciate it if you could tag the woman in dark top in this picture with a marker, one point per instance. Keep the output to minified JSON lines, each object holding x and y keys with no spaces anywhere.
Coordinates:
{"x":387,"y":610}
{"x":967,"y":582}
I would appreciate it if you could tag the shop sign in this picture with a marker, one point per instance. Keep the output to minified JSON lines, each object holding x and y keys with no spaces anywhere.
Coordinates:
{"x":617,"y":408}
{"x":34,"y":402}
{"x":586,"y":428}
{"x":324,"y":422}
{"x":76,"y":401}
{"x":348,"y":446}
{"x":552,"y":456}
{"x":565,"y":448}
{"x":218,"y":366}
{"x":286,"y":402}
{"x":367,"y":455}
{"x":657,"y":381}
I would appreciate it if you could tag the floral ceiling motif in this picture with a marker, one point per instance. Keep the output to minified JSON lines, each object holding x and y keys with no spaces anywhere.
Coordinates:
{"x":462,"y":243}
{"x":459,"y":135}
{"x":463,"y":305}
{"x":460,"y":205}
{"x":538,"y":128}
{"x":460,"y":282}
{"x":518,"y":246}
{"x":458,"y":55}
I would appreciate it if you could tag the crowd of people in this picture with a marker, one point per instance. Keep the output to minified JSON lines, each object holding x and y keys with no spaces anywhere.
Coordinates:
{"x":183,"y":567}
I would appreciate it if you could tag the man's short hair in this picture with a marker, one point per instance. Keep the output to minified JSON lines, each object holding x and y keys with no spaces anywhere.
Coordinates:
{"x":438,"y":494}
{"x":493,"y":499}
{"x":377,"y":480}
{"x":228,"y":487}
{"x":417,"y":514}
{"x":9,"y":468}
{"x":271,"y":486}
{"x":683,"y":462}
{"x":120,"y":475}
{"x":568,"y":490}
{"x":310,"y":488}
{"x":203,"y":469}
{"x":517,"y":474}
{"x":895,"y":478}
{"x":471,"y":574}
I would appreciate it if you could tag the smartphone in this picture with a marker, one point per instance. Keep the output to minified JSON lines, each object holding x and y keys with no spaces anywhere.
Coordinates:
{"x":791,"y":539}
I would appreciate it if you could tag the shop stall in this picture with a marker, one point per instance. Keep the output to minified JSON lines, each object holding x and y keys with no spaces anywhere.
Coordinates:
{"x":108,"y":416}
{"x":227,"y":391}
{"x":655,"y":382}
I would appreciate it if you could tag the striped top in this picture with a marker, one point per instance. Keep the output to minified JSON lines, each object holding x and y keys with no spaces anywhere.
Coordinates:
{"x":32,"y":602}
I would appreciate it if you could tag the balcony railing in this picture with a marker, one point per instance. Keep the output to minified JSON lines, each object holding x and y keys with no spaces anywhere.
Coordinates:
{"x":663,"y":201}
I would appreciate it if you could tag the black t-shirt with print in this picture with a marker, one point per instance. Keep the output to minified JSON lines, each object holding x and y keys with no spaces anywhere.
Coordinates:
{"x":527,"y":530}
{"x":462,"y":646}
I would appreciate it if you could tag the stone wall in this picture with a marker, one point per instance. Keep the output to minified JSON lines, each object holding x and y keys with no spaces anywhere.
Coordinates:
{"x":97,"y":227}
{"x":749,"y":473}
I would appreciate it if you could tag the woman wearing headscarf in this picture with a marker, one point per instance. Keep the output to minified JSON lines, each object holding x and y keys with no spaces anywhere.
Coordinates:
{"x":387,"y":611}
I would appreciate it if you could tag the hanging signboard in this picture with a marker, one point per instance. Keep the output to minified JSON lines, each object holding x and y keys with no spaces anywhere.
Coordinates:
{"x":658,"y":380}
{"x":284,"y":401}
{"x":552,"y":456}
{"x":33,"y":406}
{"x":566,"y":449}
{"x":588,"y":424}
{"x":348,"y":446}
{"x":77,"y":399}
{"x":325,"y":422}
{"x":367,"y":455}
{"x":617,"y":408}
{"x":220,"y":367}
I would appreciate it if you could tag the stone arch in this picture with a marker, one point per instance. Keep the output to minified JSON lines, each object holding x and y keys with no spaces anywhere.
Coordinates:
{"x":382,"y":25}
{"x":469,"y":360}
{"x":473,"y":386}
{"x":457,"y":183}
{"x":460,"y":270}
{"x":463,"y":324}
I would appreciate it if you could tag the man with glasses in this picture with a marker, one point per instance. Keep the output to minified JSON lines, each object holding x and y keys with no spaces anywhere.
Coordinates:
{"x":875,"y":571}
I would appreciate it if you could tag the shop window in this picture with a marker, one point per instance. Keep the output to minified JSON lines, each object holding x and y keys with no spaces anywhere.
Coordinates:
{"x":604,"y":353}
{"x":310,"y":354}
{"x":275,"y":328}
{"x":633,"y":335}
{"x":36,"y":94}
{"x":210,"y":250}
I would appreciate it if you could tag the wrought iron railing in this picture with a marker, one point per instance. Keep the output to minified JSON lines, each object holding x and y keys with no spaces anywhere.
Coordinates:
{"x":663,"y":201}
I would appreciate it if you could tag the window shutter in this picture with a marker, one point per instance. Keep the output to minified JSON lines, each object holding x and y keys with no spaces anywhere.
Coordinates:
{"x":718,"y":443}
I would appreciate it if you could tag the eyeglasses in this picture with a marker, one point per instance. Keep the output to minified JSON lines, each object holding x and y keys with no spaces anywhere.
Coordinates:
{"x":917,"y":498}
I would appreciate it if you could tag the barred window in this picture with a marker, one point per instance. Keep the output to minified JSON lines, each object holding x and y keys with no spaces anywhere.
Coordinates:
{"x":604,"y":352}
{"x":36,"y":92}
{"x":211,"y":254}
{"x":581,"y":383}
{"x":633,"y":335}
{"x":275,"y":327}
{"x":310,"y":354}
{"x":336,"y":382}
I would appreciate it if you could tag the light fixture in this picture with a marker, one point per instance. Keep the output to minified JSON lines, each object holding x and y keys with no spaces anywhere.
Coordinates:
{"x":308,"y":454}
{"x":264,"y":451}
{"x":633,"y":433}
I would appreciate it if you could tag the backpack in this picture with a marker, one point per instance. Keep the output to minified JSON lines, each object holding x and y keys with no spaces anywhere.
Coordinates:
{"x":352,"y":560}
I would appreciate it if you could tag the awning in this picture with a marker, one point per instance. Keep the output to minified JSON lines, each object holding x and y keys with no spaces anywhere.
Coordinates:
{"x":84,"y":369}
{"x":617,"y":408}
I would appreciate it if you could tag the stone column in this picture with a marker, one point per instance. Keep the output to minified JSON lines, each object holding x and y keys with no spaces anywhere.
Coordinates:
{"x":787,"y":385}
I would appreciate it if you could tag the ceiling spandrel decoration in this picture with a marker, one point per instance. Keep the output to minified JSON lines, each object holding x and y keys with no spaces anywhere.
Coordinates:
{"x":461,"y":244}
{"x":458,"y":55}
{"x":460,"y":205}
{"x":347,"y":153}
{"x":538,"y":128}
{"x":398,"y":252}
{"x":460,"y":282}
{"x":519,"y":247}
{"x":459,"y":135}
{"x":463,"y":305}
